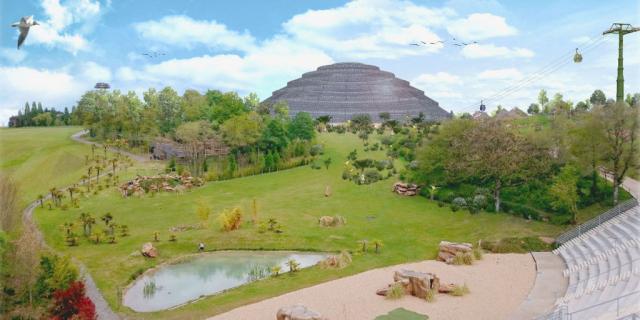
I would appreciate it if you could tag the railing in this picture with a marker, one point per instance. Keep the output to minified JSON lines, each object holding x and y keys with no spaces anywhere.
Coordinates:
{"x":596,"y":221}
{"x":562,"y":312}
{"x":633,"y":297}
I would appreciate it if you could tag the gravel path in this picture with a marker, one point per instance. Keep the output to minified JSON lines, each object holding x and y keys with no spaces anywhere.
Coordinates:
{"x":78,"y":137}
{"x":103,"y":310}
{"x":498,"y":284}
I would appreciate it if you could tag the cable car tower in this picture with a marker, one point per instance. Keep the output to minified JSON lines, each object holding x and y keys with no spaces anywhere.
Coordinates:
{"x":621,"y":29}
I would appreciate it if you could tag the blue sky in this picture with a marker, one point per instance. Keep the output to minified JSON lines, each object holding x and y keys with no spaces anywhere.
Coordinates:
{"x":257,"y":46}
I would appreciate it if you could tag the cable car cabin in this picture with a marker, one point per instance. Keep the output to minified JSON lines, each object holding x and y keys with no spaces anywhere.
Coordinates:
{"x":577,"y":58}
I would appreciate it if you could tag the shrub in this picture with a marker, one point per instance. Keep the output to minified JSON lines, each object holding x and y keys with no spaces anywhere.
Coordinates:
{"x":72,"y":303}
{"x":454,"y":208}
{"x":372,"y":176}
{"x":230,"y":219}
{"x":396,"y":291}
{"x":461,"y":258}
{"x":316,"y":149}
{"x":460,"y":202}
{"x":431,"y":295}
{"x":480,"y":201}
{"x":460,"y":290}
{"x":136,"y":274}
{"x":477,"y":253}
{"x":516,"y":245}
{"x":440,"y":204}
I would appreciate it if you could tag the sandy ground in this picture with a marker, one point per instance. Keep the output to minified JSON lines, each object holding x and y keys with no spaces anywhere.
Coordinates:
{"x":498,"y":284}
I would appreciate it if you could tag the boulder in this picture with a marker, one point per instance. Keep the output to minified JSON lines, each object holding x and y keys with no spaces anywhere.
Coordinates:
{"x":325,"y":221}
{"x":448,"y":250}
{"x":417,"y":283}
{"x":446,"y":288}
{"x":405,"y":189}
{"x":327,"y":191}
{"x":149,"y":251}
{"x":297,"y":312}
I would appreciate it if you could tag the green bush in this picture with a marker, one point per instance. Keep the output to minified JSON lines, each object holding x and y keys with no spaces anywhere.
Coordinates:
{"x":431,"y":295}
{"x":477,"y":253}
{"x":516,"y":245}
{"x":459,"y":290}
{"x":396,"y":291}
{"x":230,"y":219}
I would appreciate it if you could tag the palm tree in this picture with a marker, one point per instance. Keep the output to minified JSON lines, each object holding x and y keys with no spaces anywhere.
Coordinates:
{"x":71,"y":190}
{"x":107,"y":217}
{"x":93,"y":151}
{"x":364,"y":245}
{"x":114,"y":163}
{"x":98,"y":168}
{"x":54,"y":194}
{"x":378,"y":244}
{"x":41,"y":199}
{"x":293,"y":265}
{"x":432,"y":192}
{"x":87,"y":222}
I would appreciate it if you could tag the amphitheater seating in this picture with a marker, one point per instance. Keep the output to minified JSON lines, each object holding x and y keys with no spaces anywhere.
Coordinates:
{"x":603,"y":268}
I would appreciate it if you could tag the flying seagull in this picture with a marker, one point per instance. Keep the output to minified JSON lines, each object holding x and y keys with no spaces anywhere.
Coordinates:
{"x":24,"y":25}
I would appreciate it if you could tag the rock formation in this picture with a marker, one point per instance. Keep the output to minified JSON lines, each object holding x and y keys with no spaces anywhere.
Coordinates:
{"x":149,"y":251}
{"x":405,"y":189}
{"x":414,"y":283}
{"x":297,"y":312}
{"x":448,"y":250}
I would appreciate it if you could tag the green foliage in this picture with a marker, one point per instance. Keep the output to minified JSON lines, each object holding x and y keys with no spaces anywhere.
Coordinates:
{"x":202,"y":211}
{"x":302,"y":127}
{"x":564,"y":190}
{"x":431,"y":296}
{"x":460,"y":290}
{"x":293,"y":265}
{"x":396,"y":291}
{"x":230,"y":219}
{"x":57,"y":273}
{"x":516,"y":245}
{"x":477,"y":253}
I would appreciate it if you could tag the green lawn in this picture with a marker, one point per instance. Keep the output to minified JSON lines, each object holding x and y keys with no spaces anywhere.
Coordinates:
{"x":41,"y":158}
{"x":410,"y":228}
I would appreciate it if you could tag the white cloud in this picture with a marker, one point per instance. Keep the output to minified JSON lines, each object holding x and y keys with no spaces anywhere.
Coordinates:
{"x":369,"y":29}
{"x":185,"y":32}
{"x":479,"y":26}
{"x":94,"y":72}
{"x":439,"y":78}
{"x":12,"y":55}
{"x":580,"y":40}
{"x":54,"y":31}
{"x":500,"y":74}
{"x":439,"y":86}
{"x":262,"y":69}
{"x":475,"y":51}
{"x":20,"y":84}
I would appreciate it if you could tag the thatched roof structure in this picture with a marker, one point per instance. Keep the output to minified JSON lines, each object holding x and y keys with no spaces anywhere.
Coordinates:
{"x":342,"y":90}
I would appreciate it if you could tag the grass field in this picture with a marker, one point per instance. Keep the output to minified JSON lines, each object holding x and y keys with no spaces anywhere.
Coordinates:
{"x":410,"y":228}
{"x":41,"y":158}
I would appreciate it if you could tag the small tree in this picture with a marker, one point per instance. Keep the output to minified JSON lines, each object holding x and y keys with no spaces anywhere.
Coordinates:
{"x":377,"y":244}
{"x":293,"y":265}
{"x":565,"y":191}
{"x":203,"y":212}
{"x":106,"y":218}
{"x":327,"y":162}
{"x":72,"y":303}
{"x":432,"y":192}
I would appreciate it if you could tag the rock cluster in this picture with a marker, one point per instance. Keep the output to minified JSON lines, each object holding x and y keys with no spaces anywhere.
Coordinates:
{"x":405,"y":189}
{"x":329,"y":221}
{"x":414,"y":283}
{"x":298,"y":312}
{"x":448,"y":250}
{"x":149,"y":251}
{"x":164,"y":182}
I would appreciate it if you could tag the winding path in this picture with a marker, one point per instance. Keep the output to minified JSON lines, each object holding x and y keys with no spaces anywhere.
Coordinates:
{"x":103,"y":310}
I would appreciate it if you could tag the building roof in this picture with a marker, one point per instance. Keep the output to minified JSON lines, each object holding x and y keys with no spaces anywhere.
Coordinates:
{"x":342,"y":90}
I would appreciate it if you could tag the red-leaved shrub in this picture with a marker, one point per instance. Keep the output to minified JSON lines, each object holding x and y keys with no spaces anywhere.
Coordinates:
{"x":72,"y":303}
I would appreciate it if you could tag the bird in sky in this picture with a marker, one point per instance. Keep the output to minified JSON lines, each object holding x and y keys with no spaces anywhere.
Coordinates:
{"x":24,"y":25}
{"x":153,"y":54}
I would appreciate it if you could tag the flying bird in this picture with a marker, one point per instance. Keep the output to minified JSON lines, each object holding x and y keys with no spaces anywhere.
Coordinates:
{"x":153,"y":54}
{"x":414,"y":44}
{"x":24,"y":25}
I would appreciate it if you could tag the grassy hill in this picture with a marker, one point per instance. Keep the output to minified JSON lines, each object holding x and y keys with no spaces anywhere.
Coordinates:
{"x":410,"y":227}
{"x":41,"y":158}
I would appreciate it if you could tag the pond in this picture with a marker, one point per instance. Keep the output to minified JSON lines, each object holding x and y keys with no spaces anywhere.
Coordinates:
{"x":176,"y":284}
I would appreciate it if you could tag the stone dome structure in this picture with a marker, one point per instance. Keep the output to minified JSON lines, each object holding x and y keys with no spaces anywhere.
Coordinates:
{"x":342,"y":90}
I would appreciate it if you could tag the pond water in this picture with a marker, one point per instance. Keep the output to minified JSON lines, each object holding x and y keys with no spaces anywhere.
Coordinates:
{"x":175,"y":284}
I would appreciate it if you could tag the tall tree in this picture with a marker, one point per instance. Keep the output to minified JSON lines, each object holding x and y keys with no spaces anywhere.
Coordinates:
{"x":194,"y":136}
{"x":564,"y":191}
{"x":301,"y":127}
{"x":598,"y":98}
{"x":587,"y":143}
{"x":620,"y":125}
{"x":543,"y":100}
{"x":242,"y":130}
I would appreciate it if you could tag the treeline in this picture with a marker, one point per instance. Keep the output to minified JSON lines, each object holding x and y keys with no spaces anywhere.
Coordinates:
{"x":35,"y":115}
{"x":547,"y":162}
{"x":259,"y":137}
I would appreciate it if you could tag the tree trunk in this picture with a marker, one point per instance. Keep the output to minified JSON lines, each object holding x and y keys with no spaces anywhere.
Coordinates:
{"x":497,"y":195}
{"x":616,"y":189}
{"x":594,"y":183}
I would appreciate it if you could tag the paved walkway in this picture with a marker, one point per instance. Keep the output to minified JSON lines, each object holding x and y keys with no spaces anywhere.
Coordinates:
{"x":550,"y":285}
{"x":103,"y":310}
